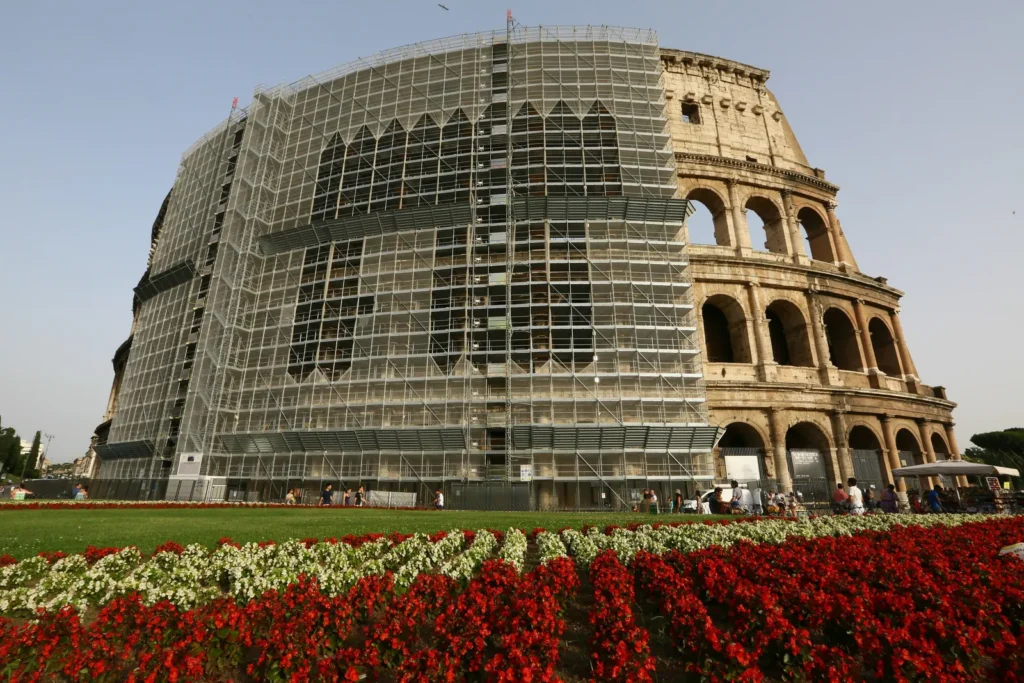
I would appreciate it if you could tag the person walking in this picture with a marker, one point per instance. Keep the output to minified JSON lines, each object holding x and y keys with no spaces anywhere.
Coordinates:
{"x":359,"y":497}
{"x":869,"y":498}
{"x":856,"y":498}
{"x":326,"y":496}
{"x":645,"y":502}
{"x":839,"y":500}
{"x":932,"y":498}
{"x":347,"y":500}
{"x":439,"y":500}
{"x":677,"y":502}
{"x":654,"y":503}
{"x":889,"y":500}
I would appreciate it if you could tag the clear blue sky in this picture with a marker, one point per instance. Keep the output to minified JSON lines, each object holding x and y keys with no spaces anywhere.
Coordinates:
{"x":914,"y":109}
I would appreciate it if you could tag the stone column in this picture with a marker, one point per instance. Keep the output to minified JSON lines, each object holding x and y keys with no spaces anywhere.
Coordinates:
{"x":778,"y":428}
{"x":909,"y":370}
{"x":929,"y":452}
{"x":870,"y":361}
{"x":739,"y":220}
{"x":795,"y":240}
{"x":954,"y":450}
{"x":839,"y":436}
{"x":825,"y":367}
{"x":843,"y":252}
{"x":766,"y":361}
{"x":893,"y":454}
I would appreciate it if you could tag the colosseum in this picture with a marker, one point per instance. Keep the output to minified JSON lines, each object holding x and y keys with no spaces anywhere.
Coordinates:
{"x":466,"y":265}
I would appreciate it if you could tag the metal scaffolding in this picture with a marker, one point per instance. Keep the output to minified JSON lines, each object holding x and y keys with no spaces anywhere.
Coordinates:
{"x":456,"y":264}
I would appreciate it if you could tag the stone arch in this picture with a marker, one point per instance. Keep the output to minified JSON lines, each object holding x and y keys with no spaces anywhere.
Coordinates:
{"x":816,"y":233}
{"x":773,"y":224}
{"x":843,"y":350}
{"x":724,"y":323}
{"x":741,"y":442}
{"x":868,"y":456}
{"x":939,"y":446}
{"x":809,"y":457}
{"x":708,"y":202}
{"x":742,"y":435}
{"x":884,"y":346}
{"x":790,"y":338}
{"x":911,"y":453}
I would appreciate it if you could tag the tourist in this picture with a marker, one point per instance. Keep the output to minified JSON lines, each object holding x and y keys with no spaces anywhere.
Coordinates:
{"x":719,"y":506}
{"x":856,"y":498}
{"x":645,"y":502}
{"x":890,"y":502}
{"x":359,"y":497}
{"x":772,"y":507}
{"x":439,"y":499}
{"x":932,"y":497}
{"x":347,"y":500}
{"x":289,"y":498}
{"x":75,"y":490}
{"x":839,"y":499}
{"x":653,"y":509}
{"x":83,"y":493}
{"x":743,"y":497}
{"x":869,"y":498}
{"x":677,"y":502}
{"x":326,"y":497}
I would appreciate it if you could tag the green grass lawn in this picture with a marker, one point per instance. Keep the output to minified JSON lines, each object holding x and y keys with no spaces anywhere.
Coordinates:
{"x":24,"y":533}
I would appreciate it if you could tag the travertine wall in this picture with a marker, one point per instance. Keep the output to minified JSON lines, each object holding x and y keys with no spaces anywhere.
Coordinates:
{"x":813,"y":348}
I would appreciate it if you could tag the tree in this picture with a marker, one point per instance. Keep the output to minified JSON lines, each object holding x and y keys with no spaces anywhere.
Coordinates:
{"x":10,"y":449}
{"x":29,"y":466}
{"x":1003,"y":448}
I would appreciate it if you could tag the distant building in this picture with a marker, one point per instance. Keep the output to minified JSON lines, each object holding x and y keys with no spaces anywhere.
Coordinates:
{"x":84,"y":467}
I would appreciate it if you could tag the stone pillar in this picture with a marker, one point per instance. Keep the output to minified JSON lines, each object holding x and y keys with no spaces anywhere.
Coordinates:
{"x":954,"y":450}
{"x":839,"y":437}
{"x":929,"y":452}
{"x":778,"y":428}
{"x":766,"y":362}
{"x":825,"y":367}
{"x":909,"y":370}
{"x":893,"y":454}
{"x":739,"y":221}
{"x":843,"y":252}
{"x":865,"y":340}
{"x":795,"y":240}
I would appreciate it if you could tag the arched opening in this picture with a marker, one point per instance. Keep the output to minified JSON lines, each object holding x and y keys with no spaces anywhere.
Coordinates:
{"x":909,"y":449}
{"x":868,"y":459}
{"x":886,"y":354}
{"x":843,"y":350}
{"x":809,"y":457}
{"x":725,"y":330}
{"x":789,"y":335}
{"x":939,"y":447}
{"x":709,"y":222}
{"x":742,"y":451}
{"x":817,"y":240}
{"x":769,"y":219}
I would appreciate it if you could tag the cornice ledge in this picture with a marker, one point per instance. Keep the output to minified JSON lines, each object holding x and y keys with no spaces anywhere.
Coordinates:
{"x":760,"y":168}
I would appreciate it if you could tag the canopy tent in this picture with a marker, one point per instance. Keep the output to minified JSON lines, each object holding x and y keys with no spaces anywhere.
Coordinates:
{"x":954,"y":467}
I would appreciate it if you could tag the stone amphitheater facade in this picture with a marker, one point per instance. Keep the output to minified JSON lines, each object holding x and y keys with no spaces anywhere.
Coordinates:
{"x":802,"y":351}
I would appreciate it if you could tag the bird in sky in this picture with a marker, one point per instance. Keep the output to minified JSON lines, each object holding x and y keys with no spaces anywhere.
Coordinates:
{"x":442,"y":7}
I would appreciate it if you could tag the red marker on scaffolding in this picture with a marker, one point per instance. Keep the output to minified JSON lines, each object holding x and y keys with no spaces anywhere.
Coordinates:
{"x":234,"y":104}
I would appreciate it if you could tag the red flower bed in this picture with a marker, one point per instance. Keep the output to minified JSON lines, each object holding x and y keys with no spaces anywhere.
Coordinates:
{"x":911,"y":604}
{"x":501,"y":627}
{"x":620,"y":648}
{"x":136,"y":505}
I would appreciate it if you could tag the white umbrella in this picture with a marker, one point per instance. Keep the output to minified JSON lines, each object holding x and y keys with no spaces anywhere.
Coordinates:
{"x":954,"y":467}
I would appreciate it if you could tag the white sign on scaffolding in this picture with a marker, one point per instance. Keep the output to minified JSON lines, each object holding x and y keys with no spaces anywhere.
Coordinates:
{"x":526,"y":472}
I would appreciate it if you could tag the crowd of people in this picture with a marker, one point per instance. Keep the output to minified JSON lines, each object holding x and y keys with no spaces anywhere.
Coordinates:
{"x":327,"y":497}
{"x":854,"y":501}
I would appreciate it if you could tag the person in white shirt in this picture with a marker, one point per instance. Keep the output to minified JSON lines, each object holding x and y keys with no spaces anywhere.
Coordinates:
{"x":439,"y":500}
{"x":856,"y":497}
{"x":654,"y":503}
